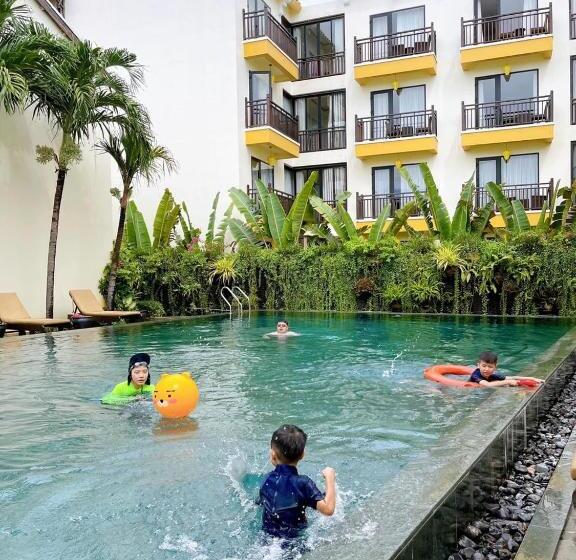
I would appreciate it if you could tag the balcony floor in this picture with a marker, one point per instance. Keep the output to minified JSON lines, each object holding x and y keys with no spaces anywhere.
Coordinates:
{"x":415,"y":64}
{"x":268,"y":143}
{"x":393,"y":146}
{"x":507,"y":135}
{"x":265,"y":55}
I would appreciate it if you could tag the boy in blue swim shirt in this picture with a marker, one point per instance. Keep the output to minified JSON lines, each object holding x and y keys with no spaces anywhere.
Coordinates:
{"x":486,"y":375}
{"x":285,"y":494}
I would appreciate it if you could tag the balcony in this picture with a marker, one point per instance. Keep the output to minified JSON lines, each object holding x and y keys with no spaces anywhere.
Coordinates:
{"x":494,"y":38}
{"x":532,"y":196}
{"x":573,"y":111}
{"x":271,"y":132}
{"x":507,"y":122}
{"x":393,"y":135}
{"x":573,"y":26}
{"x":369,"y":206}
{"x":58,"y":5}
{"x":321,"y":66}
{"x":286,"y":199}
{"x":407,"y":52}
{"x":269,"y":46}
{"x":323,"y":139}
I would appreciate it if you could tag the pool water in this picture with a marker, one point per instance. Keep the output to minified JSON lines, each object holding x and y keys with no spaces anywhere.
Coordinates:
{"x":82,"y":481}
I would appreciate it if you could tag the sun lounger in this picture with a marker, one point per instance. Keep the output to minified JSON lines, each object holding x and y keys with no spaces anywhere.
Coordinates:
{"x":86,"y":303}
{"x":14,"y":314}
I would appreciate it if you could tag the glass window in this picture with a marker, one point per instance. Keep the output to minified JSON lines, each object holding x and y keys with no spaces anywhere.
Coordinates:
{"x":519,"y":85}
{"x":260,"y":86}
{"x":488,"y":8}
{"x":289,"y":180}
{"x":397,"y":21}
{"x":331,"y":180}
{"x":387,"y":180}
{"x":261,"y":170}
{"x":406,"y":100}
{"x":573,"y":77}
{"x":573,"y":162}
{"x":320,"y":38}
{"x":518,"y":170}
{"x":256,"y":5}
{"x":317,"y":112}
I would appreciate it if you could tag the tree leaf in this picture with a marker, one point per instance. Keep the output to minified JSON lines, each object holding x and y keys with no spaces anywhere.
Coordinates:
{"x":520,"y":216}
{"x":164,"y":220}
{"x":438,"y":209}
{"x":377,"y":227}
{"x":276,"y":219}
{"x":223,"y":227}
{"x":137,"y":235}
{"x":244,"y":205}
{"x":242,"y":233}
{"x":330,"y":215}
{"x":295,"y":218}
{"x":503,"y":204}
{"x":461,"y":220}
{"x":346,"y":220}
{"x":212,"y":220}
{"x":401,"y":216}
{"x":421,"y":199}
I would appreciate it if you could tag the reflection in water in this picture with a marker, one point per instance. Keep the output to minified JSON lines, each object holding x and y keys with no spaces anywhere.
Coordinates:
{"x":175,"y":427}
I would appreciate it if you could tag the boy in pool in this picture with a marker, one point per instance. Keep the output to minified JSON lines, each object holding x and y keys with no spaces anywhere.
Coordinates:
{"x":486,"y":375}
{"x":282,"y":330}
{"x":285,"y":494}
{"x":137,"y":383}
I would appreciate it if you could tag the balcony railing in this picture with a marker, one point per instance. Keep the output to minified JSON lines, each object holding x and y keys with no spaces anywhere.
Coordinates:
{"x":573,"y":111}
{"x":264,"y":24}
{"x":320,"y":66}
{"x":503,"y":27}
{"x":401,"y":125}
{"x":496,"y":114}
{"x":531,"y":195}
{"x":369,"y":206}
{"x":59,"y":5}
{"x":286,"y":199}
{"x":323,"y":139}
{"x":265,"y":112}
{"x":404,"y":43}
{"x":573,"y":26}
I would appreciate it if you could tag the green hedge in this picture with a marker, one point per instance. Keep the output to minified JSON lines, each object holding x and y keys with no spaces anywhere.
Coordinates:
{"x":530,"y":274}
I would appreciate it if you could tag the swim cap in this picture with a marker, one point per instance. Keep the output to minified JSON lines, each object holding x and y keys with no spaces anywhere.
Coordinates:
{"x":140,"y":358}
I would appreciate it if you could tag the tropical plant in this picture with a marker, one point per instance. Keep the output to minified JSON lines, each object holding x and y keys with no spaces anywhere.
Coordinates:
{"x":224,"y":269}
{"x":512,"y":211}
{"x":137,"y":158}
{"x":166,"y":219}
{"x":78,"y":90}
{"x":136,"y":233}
{"x":565,"y":211}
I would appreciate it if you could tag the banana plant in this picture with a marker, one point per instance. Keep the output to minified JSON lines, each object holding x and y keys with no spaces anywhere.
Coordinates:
{"x":136,"y":234}
{"x":212,"y":220}
{"x":512,"y":211}
{"x":167,"y":216}
{"x":565,"y":211}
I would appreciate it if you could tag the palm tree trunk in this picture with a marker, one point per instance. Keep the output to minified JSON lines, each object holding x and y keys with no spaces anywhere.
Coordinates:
{"x":53,"y":241}
{"x":115,"y":261}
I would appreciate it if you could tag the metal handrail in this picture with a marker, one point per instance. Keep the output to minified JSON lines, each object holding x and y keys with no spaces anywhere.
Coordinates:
{"x":413,"y":123}
{"x":369,"y":206}
{"x":245,"y":295}
{"x":226,"y":299}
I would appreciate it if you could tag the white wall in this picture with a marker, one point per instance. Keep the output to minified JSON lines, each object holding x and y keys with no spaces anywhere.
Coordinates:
{"x":26,"y":198}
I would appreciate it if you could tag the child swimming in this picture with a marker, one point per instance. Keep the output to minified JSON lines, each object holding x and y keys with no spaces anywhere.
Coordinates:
{"x":137,"y":384}
{"x":282,"y":330}
{"x":486,"y":375}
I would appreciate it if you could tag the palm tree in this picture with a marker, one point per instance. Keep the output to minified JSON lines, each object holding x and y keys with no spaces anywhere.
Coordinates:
{"x":136,"y":157}
{"x":23,"y":43}
{"x":79,"y":90}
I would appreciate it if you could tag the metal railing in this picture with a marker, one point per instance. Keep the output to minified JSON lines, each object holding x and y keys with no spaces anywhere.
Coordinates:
{"x":324,"y":139}
{"x":321,"y":65}
{"x":504,"y":27}
{"x":573,"y":26}
{"x":265,"y":112}
{"x":401,"y":125}
{"x":531,"y":195}
{"x":264,"y":24}
{"x":59,"y":5}
{"x":508,"y":113}
{"x":573,"y":112}
{"x":286,"y":199}
{"x":369,"y":206}
{"x":403,"y":43}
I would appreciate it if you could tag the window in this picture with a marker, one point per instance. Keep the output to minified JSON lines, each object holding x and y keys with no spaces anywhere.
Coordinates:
{"x":331,"y":180}
{"x":261,"y":170}
{"x":397,"y":21}
{"x":491,"y":8}
{"x":387,"y":180}
{"x":288,"y":103}
{"x":260,"y":86}
{"x":573,"y":88}
{"x":320,"y":48}
{"x":572,"y":19}
{"x":256,"y":6}
{"x":321,"y":121}
{"x":573,"y":162}
{"x":406,"y":100}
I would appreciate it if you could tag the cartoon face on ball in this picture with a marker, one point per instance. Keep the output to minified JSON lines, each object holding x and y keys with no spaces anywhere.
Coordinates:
{"x":175,"y":395}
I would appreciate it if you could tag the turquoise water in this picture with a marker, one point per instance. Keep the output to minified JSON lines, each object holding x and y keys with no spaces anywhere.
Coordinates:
{"x":82,"y":481}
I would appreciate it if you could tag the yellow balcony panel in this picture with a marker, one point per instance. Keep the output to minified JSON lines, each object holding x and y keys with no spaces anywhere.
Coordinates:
{"x":533,"y":217}
{"x":417,"y":223}
{"x":418,"y":144}
{"x":417,"y":64}
{"x":528,"y":47}
{"x":510,"y":135}
{"x":265,"y":55}
{"x":271,"y":142}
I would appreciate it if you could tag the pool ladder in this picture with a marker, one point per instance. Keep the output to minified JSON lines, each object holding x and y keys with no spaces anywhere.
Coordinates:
{"x":230,"y":292}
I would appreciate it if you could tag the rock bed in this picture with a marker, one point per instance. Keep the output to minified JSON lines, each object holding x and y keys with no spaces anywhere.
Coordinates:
{"x":508,"y":511}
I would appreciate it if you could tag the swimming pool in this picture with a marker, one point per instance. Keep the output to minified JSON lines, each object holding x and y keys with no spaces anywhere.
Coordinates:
{"x":78,"y":480}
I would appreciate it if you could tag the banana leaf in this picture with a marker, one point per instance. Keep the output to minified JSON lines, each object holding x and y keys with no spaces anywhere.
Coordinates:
{"x":421,"y":200}
{"x":265,"y":210}
{"x":503,"y":204}
{"x":461,"y":220}
{"x":346,"y":220}
{"x":401,"y":216}
{"x":165,"y":220}
{"x":244,"y":205}
{"x":276,"y":219}
{"x":440,"y":215}
{"x":212,"y":220}
{"x":520,"y":216}
{"x":242,"y":233}
{"x":481,"y":221}
{"x":543,"y":219}
{"x":377,"y":227}
{"x":223,"y":227}
{"x":295,"y":218}
{"x":137,"y":235}
{"x":330,"y":215}
{"x":565,"y":211}
{"x":185,"y":224}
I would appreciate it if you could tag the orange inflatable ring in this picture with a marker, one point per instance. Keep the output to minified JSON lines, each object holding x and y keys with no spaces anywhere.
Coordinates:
{"x":440,"y":372}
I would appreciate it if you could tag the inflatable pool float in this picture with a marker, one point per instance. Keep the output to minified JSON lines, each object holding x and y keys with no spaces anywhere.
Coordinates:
{"x":439,"y":374}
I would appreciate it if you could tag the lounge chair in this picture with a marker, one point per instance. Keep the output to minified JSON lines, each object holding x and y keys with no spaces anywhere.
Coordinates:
{"x":14,"y":314}
{"x":86,"y":303}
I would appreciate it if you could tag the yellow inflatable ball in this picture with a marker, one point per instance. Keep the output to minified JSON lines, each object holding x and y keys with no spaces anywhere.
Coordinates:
{"x":175,"y":395}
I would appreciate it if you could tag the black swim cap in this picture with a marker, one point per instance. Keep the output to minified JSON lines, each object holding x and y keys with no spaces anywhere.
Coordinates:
{"x":139,"y":358}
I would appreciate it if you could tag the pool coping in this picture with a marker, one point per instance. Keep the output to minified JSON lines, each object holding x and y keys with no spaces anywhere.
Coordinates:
{"x":457,"y":508}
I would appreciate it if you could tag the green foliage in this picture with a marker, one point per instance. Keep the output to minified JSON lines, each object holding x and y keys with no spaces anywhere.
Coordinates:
{"x":136,"y":235}
{"x":167,"y":216}
{"x":212,"y":220}
{"x":224,"y":269}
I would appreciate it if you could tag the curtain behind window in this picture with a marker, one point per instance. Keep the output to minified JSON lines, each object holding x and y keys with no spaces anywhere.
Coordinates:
{"x":520,"y":170}
{"x":400,"y":185}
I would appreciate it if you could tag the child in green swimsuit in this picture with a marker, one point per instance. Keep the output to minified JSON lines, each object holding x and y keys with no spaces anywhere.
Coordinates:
{"x":137,"y":384}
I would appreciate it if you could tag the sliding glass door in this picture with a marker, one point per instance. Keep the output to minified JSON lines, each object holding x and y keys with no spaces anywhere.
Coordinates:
{"x":394,"y":112}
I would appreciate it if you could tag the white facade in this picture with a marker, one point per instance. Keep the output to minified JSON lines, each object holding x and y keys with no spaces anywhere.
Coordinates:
{"x":26,"y":198}
{"x":198,"y":80}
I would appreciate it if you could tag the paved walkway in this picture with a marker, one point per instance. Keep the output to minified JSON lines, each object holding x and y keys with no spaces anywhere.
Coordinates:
{"x":567,"y":545}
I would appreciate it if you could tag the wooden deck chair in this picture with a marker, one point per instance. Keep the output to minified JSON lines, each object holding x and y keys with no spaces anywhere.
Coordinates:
{"x":87,"y":304}
{"x":14,"y":314}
